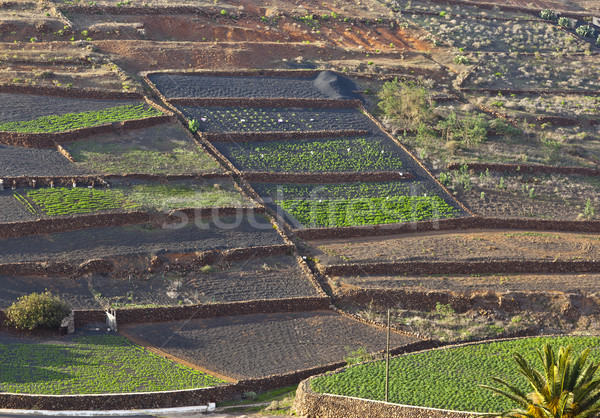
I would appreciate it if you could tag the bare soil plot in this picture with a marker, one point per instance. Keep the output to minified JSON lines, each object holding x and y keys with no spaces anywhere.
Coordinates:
{"x":11,"y":210}
{"x":466,"y":8}
{"x":19,"y":161}
{"x":18,"y":107}
{"x":564,"y":283}
{"x":265,"y":344}
{"x":474,"y":34}
{"x":325,"y":85}
{"x":538,"y":196}
{"x":257,"y":278}
{"x":163,"y":149}
{"x":245,"y":119}
{"x":218,"y":234}
{"x":530,"y":73}
{"x":472,"y":246}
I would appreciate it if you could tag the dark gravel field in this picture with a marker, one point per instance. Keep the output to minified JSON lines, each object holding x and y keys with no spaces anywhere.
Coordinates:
{"x":264,"y":344}
{"x":326,"y":85}
{"x":358,"y":154}
{"x":20,"y":161}
{"x":137,"y":239}
{"x":246,"y":119}
{"x":11,"y":210}
{"x":259,"y":278}
{"x":16,"y":107}
{"x":75,"y":292}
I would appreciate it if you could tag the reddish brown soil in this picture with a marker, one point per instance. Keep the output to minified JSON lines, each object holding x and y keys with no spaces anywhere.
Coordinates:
{"x":472,"y":246}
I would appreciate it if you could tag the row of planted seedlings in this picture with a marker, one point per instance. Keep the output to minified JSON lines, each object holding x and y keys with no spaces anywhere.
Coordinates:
{"x":328,"y":191}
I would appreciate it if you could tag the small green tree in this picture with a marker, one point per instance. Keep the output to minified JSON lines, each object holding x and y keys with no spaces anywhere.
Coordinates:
{"x":565,"y":389}
{"x":37,"y":310}
{"x":406,"y":105}
{"x":193,"y":126}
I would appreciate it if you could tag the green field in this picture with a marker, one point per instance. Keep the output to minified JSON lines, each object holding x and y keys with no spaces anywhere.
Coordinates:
{"x":92,"y":364}
{"x":70,"y":121}
{"x":345,"y":154}
{"x":77,"y":200}
{"x":448,"y":378}
{"x":177,"y":196}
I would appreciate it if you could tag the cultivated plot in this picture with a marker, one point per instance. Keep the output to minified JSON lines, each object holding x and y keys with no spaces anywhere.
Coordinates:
{"x":352,"y":204}
{"x":163,"y":149}
{"x":245,"y":119}
{"x":90,"y":362}
{"x":201,"y":235}
{"x":325,"y":85}
{"x":474,"y":246}
{"x":448,"y":378}
{"x":264,"y":344}
{"x":358,"y":154}
{"x":20,"y":161}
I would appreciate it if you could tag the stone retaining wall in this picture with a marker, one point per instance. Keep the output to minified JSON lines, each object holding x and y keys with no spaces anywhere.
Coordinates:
{"x":79,"y":93}
{"x":525,"y":91}
{"x":462,"y":267}
{"x":274,"y":102}
{"x":237,"y":137}
{"x":326,"y":177}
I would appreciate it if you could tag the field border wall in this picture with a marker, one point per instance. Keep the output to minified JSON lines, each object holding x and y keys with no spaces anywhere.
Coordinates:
{"x":237,"y":137}
{"x":528,"y":168}
{"x":71,"y":92}
{"x":274,"y":102}
{"x":325,"y":177}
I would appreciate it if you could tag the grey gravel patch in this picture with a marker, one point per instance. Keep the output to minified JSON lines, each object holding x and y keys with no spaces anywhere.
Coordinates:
{"x":11,"y":210}
{"x":20,"y":161}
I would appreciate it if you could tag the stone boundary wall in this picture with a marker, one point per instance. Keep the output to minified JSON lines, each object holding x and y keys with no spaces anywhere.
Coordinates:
{"x":279,"y":136}
{"x":536,"y":92}
{"x":326,"y":177}
{"x":462,"y":267}
{"x":529,"y":168}
{"x":474,"y":222}
{"x":72,"y":223}
{"x":78,"y":93}
{"x":209,"y":310}
{"x":274,"y":102}
{"x":49,"y":139}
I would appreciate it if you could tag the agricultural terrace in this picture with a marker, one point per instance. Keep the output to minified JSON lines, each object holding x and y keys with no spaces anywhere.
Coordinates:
{"x":20,"y":161}
{"x":352,"y":204}
{"x":62,"y":201}
{"x":492,"y":35}
{"x":259,"y":278}
{"x":325,"y":85}
{"x":163,"y":149}
{"x":70,"y":121}
{"x":28,"y":107}
{"x":458,"y":9}
{"x":94,"y":363}
{"x":318,"y":155}
{"x":447,"y":378}
{"x":536,"y":73}
{"x":245,"y":119}
{"x":213,"y":234}
{"x":260,"y":345}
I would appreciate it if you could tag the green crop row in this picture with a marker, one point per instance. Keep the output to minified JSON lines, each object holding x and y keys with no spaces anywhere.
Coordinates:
{"x":356,"y":154}
{"x":69,"y":201}
{"x":448,"y":378}
{"x":368,"y":211}
{"x":69,"y":121}
{"x":92,"y":364}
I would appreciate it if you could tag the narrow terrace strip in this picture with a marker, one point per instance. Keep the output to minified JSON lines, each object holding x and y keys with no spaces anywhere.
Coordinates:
{"x":327,"y":177}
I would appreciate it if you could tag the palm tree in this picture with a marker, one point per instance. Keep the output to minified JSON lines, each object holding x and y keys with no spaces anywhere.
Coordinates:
{"x":566,"y":389}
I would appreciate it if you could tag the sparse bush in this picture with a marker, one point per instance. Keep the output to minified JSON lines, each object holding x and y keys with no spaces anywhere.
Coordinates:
{"x":548,"y":14}
{"x":565,"y":22}
{"x":193,"y":126}
{"x":501,"y":127}
{"x":461,"y":59}
{"x":585,"y":31}
{"x":37,"y":310}
{"x":406,"y":105}
{"x":470,"y":130}
{"x":359,"y":355}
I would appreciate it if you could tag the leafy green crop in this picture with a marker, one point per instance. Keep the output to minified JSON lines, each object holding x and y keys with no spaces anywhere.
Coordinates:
{"x":69,"y":201}
{"x":368,"y":211}
{"x":92,"y":364}
{"x":346,"y":154}
{"x":69,"y":121}
{"x":448,"y":378}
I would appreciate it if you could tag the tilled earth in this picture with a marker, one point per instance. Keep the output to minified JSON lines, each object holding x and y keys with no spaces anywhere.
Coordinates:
{"x":264,"y":344}
{"x":473,"y":246}
{"x":20,"y":161}
{"x":93,"y":243}
{"x":11,"y":210}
